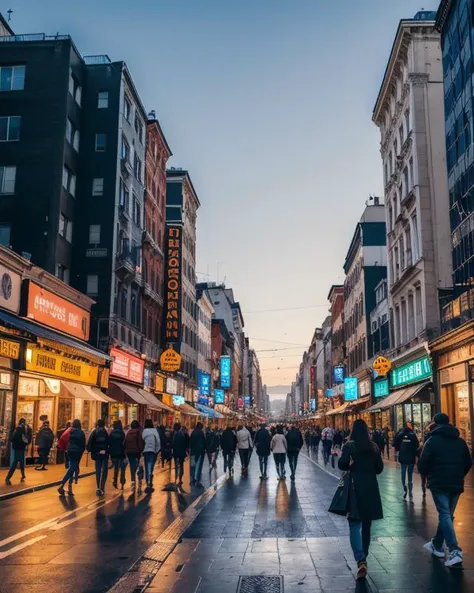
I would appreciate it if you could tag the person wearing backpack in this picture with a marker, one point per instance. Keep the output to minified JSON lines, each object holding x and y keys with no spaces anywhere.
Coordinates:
{"x":134,"y":446}
{"x":19,"y":443}
{"x":406,"y":445}
{"x":44,"y":441}
{"x":98,"y":447}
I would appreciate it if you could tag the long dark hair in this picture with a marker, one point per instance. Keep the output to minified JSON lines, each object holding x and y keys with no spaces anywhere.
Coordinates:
{"x":360,"y":436}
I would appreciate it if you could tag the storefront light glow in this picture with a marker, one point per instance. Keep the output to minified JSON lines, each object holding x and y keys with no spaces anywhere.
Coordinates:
{"x":350,"y":389}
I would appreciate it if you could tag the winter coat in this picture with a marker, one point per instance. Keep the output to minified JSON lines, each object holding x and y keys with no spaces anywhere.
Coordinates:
{"x":212,"y":442}
{"x":166,"y":447}
{"x":228,"y":441}
{"x":63,"y":441}
{"x":44,"y":438}
{"x":244,"y":439}
{"x":406,"y":445}
{"x":180,"y":444}
{"x":197,"y":443}
{"x":151,"y":440}
{"x":337,"y":439}
{"x":262,"y":442}
{"x":445,"y":460}
{"x":294,"y":440}
{"x":133,"y":443}
{"x":98,"y":443}
{"x":327,"y":434}
{"x":116,"y":444}
{"x":278,"y":444}
{"x":364,"y":467}
{"x":76,"y":443}
{"x":19,"y":437}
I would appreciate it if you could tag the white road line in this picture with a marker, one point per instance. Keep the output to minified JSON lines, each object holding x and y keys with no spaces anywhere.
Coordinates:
{"x":21,"y":546}
{"x":321,"y":467}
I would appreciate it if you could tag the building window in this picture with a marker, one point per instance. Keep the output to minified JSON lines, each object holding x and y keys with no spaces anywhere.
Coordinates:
{"x":419,"y":310}
{"x":92,"y":285}
{"x":94,"y":234}
{"x":125,"y":153}
{"x":7,"y":180}
{"x":411,"y":317}
{"x":5,"y":235}
{"x":415,"y":238}
{"x":102,"y":100}
{"x":139,"y":127}
{"x":75,"y":88}
{"x":100,"y":142}
{"x":65,"y":227}
{"x":12,"y":78}
{"x":124,"y":196}
{"x":62,"y":273}
{"x":72,"y":135}
{"x":137,"y":167}
{"x":127,"y":108}
{"x":403,"y":335}
{"x":137,"y":211}
{"x":69,"y":180}
{"x":10,"y":128}
{"x":406,"y":182}
{"x":400,"y":133}
{"x":407,"y":122}
{"x":98,"y":186}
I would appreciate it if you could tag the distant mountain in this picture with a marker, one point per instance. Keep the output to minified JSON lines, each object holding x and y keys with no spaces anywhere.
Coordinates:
{"x":278,"y":389}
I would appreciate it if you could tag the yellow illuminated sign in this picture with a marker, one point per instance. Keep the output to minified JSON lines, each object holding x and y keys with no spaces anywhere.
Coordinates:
{"x":170,"y":361}
{"x":9,"y":349}
{"x":382,"y":365}
{"x":61,"y":367}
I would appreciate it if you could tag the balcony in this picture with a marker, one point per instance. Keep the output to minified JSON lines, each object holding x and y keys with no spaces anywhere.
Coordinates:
{"x":126,"y":268}
{"x":150,"y":294}
{"x":126,"y":167}
{"x":32,"y":37}
{"x":409,"y":198}
{"x":98,"y":60}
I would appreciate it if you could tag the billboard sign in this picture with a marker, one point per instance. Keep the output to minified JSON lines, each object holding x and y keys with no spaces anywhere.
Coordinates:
{"x":351,"y":391}
{"x":219,"y":396}
{"x":339,"y":374}
{"x":225,"y":372}
{"x":173,"y":284}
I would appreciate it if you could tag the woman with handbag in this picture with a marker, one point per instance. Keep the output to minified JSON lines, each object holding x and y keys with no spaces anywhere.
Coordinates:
{"x":362,"y":461}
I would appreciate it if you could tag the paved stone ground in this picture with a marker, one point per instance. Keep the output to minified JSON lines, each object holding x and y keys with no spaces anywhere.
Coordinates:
{"x":279,"y":528}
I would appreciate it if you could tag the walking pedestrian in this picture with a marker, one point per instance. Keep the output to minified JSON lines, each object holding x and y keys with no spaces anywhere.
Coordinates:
{"x":98,"y":447}
{"x":166,"y":447}
{"x":278,"y":447}
{"x":19,"y":443}
{"x":361,"y":457}
{"x":133,"y":446}
{"x":212,"y":448}
{"x":406,"y":446}
{"x":307,"y":439}
{"x":151,"y":449}
{"x":317,"y":438}
{"x":386,"y":434}
{"x":262,"y":444}
{"x":229,"y":447}
{"x":44,"y":441}
{"x":326,"y":438}
{"x":294,"y":442}
{"x":197,"y":446}
{"x":62,"y":443}
{"x":76,"y":445}
{"x":244,"y":443}
{"x":445,"y":461}
{"x":180,"y":451}
{"x":117,"y":453}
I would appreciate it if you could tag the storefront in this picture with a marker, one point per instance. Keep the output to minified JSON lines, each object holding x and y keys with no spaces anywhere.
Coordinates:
{"x":126,"y":381}
{"x":214,"y":418}
{"x":453,"y":354}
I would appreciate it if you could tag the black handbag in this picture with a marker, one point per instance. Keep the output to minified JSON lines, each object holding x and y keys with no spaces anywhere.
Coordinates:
{"x":340,"y":501}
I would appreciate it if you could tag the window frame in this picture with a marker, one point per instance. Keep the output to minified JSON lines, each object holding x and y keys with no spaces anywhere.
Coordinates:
{"x":97,"y":149}
{"x":9,"y":118}
{"x":97,"y":188}
{"x":102,"y":100}
{"x":127,"y":108}
{"x":13,"y":67}
{"x":95,"y":279}
{"x":94,"y":233}
{"x":3,"y":180}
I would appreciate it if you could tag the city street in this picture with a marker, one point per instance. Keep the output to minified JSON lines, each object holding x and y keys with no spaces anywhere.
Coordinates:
{"x":241,"y":528}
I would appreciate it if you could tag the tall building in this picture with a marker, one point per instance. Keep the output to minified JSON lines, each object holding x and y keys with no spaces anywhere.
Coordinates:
{"x":338,"y":343}
{"x":205,"y":314}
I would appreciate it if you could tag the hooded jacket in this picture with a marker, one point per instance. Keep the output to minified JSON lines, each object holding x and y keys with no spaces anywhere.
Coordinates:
{"x":262,"y":442}
{"x":244,"y":439}
{"x":445,"y":460}
{"x":228,"y":441}
{"x":294,"y":440}
{"x":180,"y":444}
{"x":406,"y":444}
{"x":44,"y":438}
{"x":197,"y":443}
{"x":116,"y":443}
{"x":98,"y":443}
{"x":278,"y":444}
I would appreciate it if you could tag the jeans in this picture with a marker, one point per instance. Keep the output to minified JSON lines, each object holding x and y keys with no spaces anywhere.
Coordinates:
{"x":212,"y":457}
{"x":407,"y":468}
{"x":133,"y":461}
{"x":101,"y":470}
{"x":18,"y":458}
{"x":43,"y":456}
{"x":72,"y":471}
{"x":119,"y":466}
{"x":327,"y":446}
{"x":445,"y":505}
{"x":360,"y":538}
{"x":179,"y":468}
{"x":150,"y":460}
{"x":280,"y":460}
{"x":244,"y":458}
{"x":263,"y":461}
{"x":293,"y":461}
{"x":228,"y":460}
{"x":196,"y":467}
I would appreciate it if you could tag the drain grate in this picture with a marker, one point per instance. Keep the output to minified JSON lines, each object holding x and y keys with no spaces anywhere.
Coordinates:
{"x":260,"y":584}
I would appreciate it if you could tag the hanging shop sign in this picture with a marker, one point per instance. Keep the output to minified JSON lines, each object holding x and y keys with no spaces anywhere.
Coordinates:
{"x":364,"y":387}
{"x":312,"y":405}
{"x":338,"y":374}
{"x":381,"y":388}
{"x":225,"y":372}
{"x":203,"y":400}
{"x":412,"y":372}
{"x":126,"y":366}
{"x":170,"y":361}
{"x":171,"y":386}
{"x":52,"y":310}
{"x":48,"y":363}
{"x":204,"y":384}
{"x":159,"y":383}
{"x":328,"y":392}
{"x":173,"y":284}
{"x":9,"y":349}
{"x":247,"y":401}
{"x":10,"y":289}
{"x":219,"y":396}
{"x":178,"y":400}
{"x":382,"y":366}
{"x":350,"y":389}
{"x":28,"y":387}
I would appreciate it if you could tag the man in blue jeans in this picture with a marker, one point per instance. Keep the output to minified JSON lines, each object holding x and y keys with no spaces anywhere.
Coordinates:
{"x":406,"y":445}
{"x":197,"y":446}
{"x":445,"y":461}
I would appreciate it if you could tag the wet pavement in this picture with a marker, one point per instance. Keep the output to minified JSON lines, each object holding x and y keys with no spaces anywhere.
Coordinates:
{"x":240,"y":528}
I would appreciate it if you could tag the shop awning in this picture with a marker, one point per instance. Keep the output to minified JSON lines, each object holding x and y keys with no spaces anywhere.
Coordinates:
{"x":154,"y":403}
{"x":123,"y":392}
{"x":209,"y":411}
{"x":340,"y":409}
{"x":189,"y":410}
{"x":360,"y":402}
{"x":40,"y":331}
{"x":398,"y":397}
{"x":86,"y":392}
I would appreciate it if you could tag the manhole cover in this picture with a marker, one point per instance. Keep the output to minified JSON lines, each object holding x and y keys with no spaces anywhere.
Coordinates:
{"x":260,"y":584}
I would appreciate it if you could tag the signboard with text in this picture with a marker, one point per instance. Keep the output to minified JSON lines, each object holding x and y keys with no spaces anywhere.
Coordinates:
{"x":225,"y":372}
{"x":412,"y":372}
{"x":351,"y":390}
{"x":178,"y":400}
{"x":10,"y":289}
{"x":219,"y":396}
{"x":170,"y":361}
{"x":126,"y":366}
{"x":61,"y":367}
{"x":339,"y":374}
{"x":173,"y":284}
{"x":381,"y":388}
{"x":204,"y":384}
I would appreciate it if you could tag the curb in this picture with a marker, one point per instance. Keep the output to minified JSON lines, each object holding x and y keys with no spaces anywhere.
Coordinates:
{"x":38,"y":487}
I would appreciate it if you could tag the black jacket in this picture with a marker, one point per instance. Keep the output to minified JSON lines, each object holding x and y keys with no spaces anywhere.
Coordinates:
{"x":262,"y":442}
{"x":197,"y":444}
{"x":17,"y":438}
{"x":406,"y":445}
{"x":294,"y":440}
{"x":364,"y":467}
{"x":445,"y":460}
{"x":77,"y":443}
{"x":116,"y":444}
{"x":98,"y":441}
{"x":180,"y":444}
{"x":228,"y":441}
{"x":212,"y":442}
{"x":44,"y":438}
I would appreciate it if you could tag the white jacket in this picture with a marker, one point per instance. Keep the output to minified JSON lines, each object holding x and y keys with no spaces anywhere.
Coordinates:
{"x":152,"y":440}
{"x":244,"y":439}
{"x":278,"y":444}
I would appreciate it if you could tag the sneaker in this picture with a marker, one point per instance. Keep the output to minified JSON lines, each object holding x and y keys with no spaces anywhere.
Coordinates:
{"x":61,"y":491}
{"x":8,"y":482}
{"x":405,"y":491}
{"x":361,"y":569}
{"x":98,"y":491}
{"x":454,"y":559}
{"x":432,"y":550}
